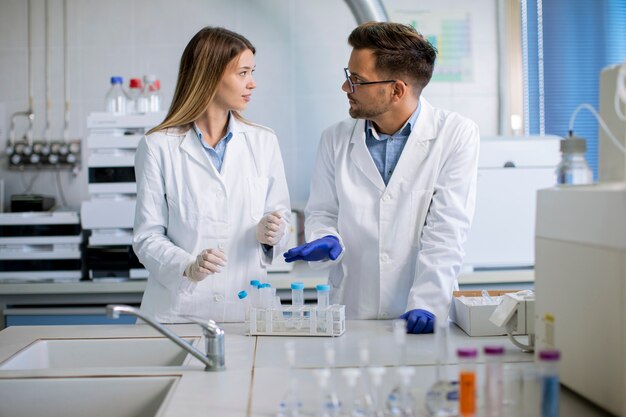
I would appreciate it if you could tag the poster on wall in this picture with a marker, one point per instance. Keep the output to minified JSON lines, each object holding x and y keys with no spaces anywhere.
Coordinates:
{"x":449,"y":32}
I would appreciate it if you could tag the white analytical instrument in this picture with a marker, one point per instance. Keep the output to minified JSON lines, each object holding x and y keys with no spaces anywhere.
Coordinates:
{"x":510,"y":171}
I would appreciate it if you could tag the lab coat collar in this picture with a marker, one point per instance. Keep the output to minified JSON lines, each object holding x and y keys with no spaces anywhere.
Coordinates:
{"x":413,"y":153}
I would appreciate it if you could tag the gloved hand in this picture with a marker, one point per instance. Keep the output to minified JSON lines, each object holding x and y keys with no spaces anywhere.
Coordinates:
{"x":317,"y":250}
{"x":270,"y":229}
{"x":207,"y":262}
{"x":419,"y":321}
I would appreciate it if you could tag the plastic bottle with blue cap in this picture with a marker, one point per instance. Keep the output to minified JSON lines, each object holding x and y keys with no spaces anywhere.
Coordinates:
{"x":323,"y":304}
{"x":244,"y":301}
{"x":297,"y":304}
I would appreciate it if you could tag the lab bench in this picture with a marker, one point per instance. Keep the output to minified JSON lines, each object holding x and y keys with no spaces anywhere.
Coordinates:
{"x":256,"y":375}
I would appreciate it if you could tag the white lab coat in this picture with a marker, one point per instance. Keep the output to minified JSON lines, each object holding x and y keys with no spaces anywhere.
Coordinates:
{"x":403,"y":242}
{"x":184,"y":205}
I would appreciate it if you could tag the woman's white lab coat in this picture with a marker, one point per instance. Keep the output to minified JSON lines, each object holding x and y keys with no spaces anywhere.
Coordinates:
{"x":184,"y":205}
{"x":403,"y":242}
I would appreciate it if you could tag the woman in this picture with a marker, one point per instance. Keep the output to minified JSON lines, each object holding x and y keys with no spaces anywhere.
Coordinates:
{"x":212,"y":198}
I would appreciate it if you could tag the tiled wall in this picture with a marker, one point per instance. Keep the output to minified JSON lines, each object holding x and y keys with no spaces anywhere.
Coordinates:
{"x":301,"y":51}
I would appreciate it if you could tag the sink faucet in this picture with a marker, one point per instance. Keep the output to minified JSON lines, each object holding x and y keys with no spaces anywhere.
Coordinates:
{"x":214,"y":359}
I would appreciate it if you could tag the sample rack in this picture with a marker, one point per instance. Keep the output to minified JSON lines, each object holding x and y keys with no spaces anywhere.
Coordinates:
{"x":297,"y":321}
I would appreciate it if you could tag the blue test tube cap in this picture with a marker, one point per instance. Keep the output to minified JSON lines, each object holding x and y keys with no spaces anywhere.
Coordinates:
{"x":116,"y":79}
{"x":322,"y":287}
{"x":255,"y":282}
{"x":297,"y":285}
{"x":242,"y":294}
{"x":265,"y":285}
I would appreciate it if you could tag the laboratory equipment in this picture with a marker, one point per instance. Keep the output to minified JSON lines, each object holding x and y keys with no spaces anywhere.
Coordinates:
{"x":297,"y":302}
{"x":573,"y":168}
{"x":442,"y":398}
{"x":40,"y":246}
{"x":322,"y":311}
{"x":276,"y":320}
{"x":354,"y":406}
{"x":254,"y":293}
{"x":493,"y":381}
{"x":550,"y":387}
{"x":377,"y":374}
{"x":399,"y":396}
{"x":467,"y":381}
{"x":364,"y":390}
{"x":579,"y":285}
{"x":109,"y":214}
{"x":330,"y":406}
{"x":152,"y":94}
{"x":290,"y":405}
{"x":515,"y":314}
{"x":244,"y":301}
{"x":134,"y":95}
{"x":116,"y":100}
{"x":611,"y":162}
{"x":510,"y":171}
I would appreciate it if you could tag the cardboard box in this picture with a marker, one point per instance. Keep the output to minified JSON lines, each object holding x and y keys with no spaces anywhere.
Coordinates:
{"x":474,"y":319}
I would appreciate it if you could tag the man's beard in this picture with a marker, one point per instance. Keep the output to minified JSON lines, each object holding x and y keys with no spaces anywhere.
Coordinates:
{"x":370,"y":112}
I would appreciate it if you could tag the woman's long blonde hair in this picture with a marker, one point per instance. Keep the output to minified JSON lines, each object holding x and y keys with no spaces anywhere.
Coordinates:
{"x":202,"y":66}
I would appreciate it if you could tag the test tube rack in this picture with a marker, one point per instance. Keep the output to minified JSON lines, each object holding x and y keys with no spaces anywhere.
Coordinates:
{"x":297,"y":321}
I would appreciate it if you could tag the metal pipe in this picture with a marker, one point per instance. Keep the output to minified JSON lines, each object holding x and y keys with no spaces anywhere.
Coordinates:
{"x":368,"y":10}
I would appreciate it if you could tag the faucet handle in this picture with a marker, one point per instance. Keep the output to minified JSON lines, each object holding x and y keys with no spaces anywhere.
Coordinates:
{"x":209,"y":327}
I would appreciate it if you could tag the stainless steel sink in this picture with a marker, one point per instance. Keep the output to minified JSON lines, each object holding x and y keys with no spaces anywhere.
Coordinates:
{"x":73,"y":397}
{"x":98,"y":353}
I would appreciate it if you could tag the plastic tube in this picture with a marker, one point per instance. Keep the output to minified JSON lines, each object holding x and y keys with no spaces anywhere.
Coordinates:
{"x":467,"y":381}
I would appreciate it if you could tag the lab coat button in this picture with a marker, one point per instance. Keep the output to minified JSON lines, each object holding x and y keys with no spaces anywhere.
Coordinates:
{"x":218,"y":297}
{"x":387,"y":197}
{"x":384,"y":257}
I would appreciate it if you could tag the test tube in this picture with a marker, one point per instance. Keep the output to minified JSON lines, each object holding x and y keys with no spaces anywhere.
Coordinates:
{"x":297,"y":302}
{"x":494,"y":381}
{"x":550,"y":387}
{"x":323,"y":302}
{"x":467,"y":381}
{"x":244,"y":301}
{"x":254,"y":292}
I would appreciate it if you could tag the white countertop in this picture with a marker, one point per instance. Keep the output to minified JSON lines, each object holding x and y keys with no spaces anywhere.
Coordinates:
{"x":256,"y":375}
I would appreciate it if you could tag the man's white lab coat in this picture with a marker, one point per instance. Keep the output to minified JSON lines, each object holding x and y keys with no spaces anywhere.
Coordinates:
{"x":404,"y":241}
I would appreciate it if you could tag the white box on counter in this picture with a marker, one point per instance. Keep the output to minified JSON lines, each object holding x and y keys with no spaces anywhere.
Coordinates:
{"x":474,"y":319}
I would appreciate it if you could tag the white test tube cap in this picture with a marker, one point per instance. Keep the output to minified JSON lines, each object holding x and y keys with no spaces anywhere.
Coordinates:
{"x":351,"y":375}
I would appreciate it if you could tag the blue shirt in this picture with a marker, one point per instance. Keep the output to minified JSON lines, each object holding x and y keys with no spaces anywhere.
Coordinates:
{"x":386,"y":149}
{"x":216,"y":155}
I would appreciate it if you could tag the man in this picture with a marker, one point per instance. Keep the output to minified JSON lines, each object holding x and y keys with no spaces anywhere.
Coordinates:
{"x":393,"y":190}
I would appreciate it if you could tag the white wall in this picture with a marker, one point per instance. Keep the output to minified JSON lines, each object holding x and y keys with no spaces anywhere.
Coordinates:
{"x":301,"y":51}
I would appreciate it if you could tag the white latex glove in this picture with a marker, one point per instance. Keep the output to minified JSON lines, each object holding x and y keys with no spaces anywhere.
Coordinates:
{"x":270,"y":229}
{"x":208,"y":262}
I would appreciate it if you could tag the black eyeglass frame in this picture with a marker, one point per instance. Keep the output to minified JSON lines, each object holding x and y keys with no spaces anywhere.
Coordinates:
{"x":352,"y":84}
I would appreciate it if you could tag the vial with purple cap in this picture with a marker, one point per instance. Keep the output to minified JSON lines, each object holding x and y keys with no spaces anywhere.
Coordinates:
{"x":494,"y":380}
{"x":550,"y":385}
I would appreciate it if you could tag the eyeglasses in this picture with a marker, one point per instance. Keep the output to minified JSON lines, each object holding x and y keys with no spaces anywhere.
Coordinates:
{"x":352,"y":83}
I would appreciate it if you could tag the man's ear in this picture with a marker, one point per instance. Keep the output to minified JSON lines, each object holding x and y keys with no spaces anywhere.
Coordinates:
{"x":400,"y":90}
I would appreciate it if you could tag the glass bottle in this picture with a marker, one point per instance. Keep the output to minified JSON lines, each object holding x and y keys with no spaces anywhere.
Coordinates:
{"x":573,"y":168}
{"x":116,"y":99}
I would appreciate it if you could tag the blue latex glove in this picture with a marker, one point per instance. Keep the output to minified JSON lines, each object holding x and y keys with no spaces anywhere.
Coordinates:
{"x":419,"y":321}
{"x":327,"y":247}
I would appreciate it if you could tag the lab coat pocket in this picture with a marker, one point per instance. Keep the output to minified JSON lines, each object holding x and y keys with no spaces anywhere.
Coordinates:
{"x":258,"y":194}
{"x":420,"y":204}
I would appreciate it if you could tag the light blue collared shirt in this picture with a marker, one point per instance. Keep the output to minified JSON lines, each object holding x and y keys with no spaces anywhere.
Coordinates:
{"x":216,"y":155}
{"x":386,"y":149}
